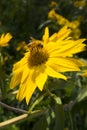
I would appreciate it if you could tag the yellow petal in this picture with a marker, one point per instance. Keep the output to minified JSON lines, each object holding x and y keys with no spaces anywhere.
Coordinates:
{"x":21,"y":63}
{"x":5,"y":39}
{"x":41,"y":79}
{"x":63,"y":33}
{"x":67,"y":48}
{"x":8,"y":36}
{"x":46,"y":35}
{"x":16,"y":78}
{"x":78,"y":61}
{"x":53,"y":37}
{"x":31,"y":86}
{"x":26,"y":91}
{"x":21,"y":92}
{"x":53,"y":73}
{"x":27,"y":88}
{"x":63,"y":64}
{"x":84,"y":73}
{"x":60,"y":68}
{"x":25,"y":74}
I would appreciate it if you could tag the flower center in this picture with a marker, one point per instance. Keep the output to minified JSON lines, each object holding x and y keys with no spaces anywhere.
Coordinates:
{"x":38,"y":55}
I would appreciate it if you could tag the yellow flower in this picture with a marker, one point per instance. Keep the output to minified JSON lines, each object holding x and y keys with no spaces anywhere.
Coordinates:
{"x":22,"y":46}
{"x":74,"y":24}
{"x":49,"y":57}
{"x":77,"y":33}
{"x":4,"y":39}
{"x":53,"y":4}
{"x":62,"y":21}
{"x":80,"y":3}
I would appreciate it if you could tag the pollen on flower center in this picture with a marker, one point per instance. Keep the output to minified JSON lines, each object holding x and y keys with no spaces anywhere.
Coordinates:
{"x":38,"y":55}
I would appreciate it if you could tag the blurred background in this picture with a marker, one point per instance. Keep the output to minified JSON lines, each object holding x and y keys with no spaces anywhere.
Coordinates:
{"x":25,"y":19}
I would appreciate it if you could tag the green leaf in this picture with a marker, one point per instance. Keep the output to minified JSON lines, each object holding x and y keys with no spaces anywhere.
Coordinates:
{"x":41,"y":124}
{"x":46,"y":122}
{"x":57,"y":99}
{"x":82,"y":94}
{"x":59,"y":117}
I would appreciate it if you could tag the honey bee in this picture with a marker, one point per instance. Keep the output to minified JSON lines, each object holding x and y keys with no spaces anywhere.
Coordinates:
{"x":34,"y":44}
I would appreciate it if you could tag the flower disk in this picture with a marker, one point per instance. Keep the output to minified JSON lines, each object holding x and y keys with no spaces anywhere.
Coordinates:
{"x":49,"y":57}
{"x":38,"y":55}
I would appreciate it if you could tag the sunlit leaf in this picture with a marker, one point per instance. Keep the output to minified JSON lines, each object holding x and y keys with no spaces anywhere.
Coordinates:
{"x":82,"y":94}
{"x":57,"y":99}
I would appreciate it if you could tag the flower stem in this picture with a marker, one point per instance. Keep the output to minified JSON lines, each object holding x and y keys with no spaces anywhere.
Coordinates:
{"x":22,"y":117}
{"x":56,"y":99}
{"x":71,"y":121}
{"x":12,"y":108}
{"x":36,"y":102}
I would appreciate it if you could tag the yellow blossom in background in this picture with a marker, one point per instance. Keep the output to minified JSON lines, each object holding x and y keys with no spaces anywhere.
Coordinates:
{"x":66,"y":129}
{"x":76,"y":33}
{"x":84,"y":73}
{"x":49,"y":57}
{"x":22,"y":46}
{"x":4,"y":39}
{"x":74,"y":25}
{"x":80,"y":3}
{"x":60,"y":19}
{"x":53,"y":4}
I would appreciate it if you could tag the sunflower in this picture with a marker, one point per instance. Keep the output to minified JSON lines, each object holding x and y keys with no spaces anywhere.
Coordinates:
{"x":47,"y":57}
{"x":4,"y":39}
